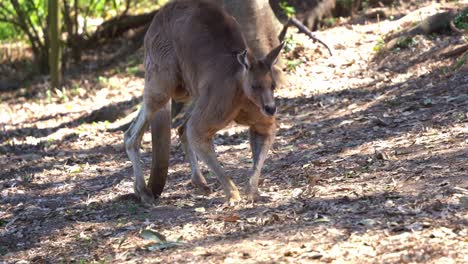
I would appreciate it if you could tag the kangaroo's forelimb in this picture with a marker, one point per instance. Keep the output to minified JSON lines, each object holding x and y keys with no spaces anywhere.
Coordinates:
{"x":260,"y":144}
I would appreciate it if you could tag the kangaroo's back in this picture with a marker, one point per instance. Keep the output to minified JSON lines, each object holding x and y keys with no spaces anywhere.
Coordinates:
{"x":198,"y":36}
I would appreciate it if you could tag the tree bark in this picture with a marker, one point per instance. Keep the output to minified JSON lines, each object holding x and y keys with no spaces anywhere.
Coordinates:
{"x":54,"y":43}
{"x":21,"y":19}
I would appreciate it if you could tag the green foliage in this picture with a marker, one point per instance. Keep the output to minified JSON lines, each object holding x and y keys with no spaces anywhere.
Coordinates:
{"x":330,"y":22}
{"x":287,"y":9}
{"x":102,"y":8}
{"x":289,"y":43}
{"x":379,"y":46}
{"x":162,"y":2}
{"x":35,"y":10}
{"x":57,"y":95}
{"x":406,"y":42}
{"x":293,"y":64}
{"x":62,"y":94}
{"x":103,"y":80}
{"x":133,"y":70}
{"x":8,"y":32}
{"x":461,"y":61}
{"x":461,"y":20}
{"x":365,"y":4}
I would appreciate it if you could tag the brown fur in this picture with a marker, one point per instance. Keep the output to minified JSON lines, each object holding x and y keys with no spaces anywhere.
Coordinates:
{"x":309,"y":12}
{"x":196,"y":51}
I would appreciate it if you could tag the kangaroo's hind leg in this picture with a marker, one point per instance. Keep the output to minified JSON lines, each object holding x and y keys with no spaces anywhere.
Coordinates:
{"x":198,"y":180}
{"x":132,"y":140}
{"x":155,"y":98}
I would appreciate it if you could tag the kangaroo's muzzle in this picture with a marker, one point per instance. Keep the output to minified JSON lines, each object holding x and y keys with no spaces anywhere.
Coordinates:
{"x":270,"y":109}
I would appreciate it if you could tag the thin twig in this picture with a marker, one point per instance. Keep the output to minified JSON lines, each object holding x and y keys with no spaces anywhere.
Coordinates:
{"x":302,"y":29}
{"x":455,"y":29}
{"x":12,"y":221}
{"x":305,"y":30}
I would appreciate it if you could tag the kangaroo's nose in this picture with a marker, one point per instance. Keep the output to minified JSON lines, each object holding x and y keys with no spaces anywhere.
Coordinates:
{"x":270,"y":109}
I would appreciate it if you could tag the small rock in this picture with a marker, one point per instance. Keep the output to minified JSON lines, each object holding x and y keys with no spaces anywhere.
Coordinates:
{"x":389,"y":203}
{"x":297,"y":192}
{"x":415,"y":227}
{"x":312,"y":255}
{"x":367,"y":222}
{"x":464,"y":202}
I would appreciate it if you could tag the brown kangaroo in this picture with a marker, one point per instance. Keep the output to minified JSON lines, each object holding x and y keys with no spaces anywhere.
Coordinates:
{"x":195,"y":51}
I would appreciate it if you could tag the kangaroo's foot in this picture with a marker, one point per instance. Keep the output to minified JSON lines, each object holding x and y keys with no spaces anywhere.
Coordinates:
{"x":253,"y":195}
{"x":233,"y":198}
{"x":146,"y":196}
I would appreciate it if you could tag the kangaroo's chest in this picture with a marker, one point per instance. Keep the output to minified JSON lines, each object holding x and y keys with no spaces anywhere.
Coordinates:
{"x":250,"y":115}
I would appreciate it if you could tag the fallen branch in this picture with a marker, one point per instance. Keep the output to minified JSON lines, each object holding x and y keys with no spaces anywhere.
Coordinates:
{"x":455,"y":29}
{"x":432,"y":24}
{"x":113,"y":28}
{"x":302,"y":29}
{"x":454,"y":51}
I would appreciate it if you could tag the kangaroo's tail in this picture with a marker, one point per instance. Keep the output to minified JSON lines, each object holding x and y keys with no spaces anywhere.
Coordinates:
{"x":161,"y":141}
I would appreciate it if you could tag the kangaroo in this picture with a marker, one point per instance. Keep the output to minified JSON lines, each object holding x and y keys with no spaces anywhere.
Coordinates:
{"x":195,"y":51}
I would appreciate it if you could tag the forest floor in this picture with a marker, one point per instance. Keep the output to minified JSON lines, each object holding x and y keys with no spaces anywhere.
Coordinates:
{"x":370,"y":165}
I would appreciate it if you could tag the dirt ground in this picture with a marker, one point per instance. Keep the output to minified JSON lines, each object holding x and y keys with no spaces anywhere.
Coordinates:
{"x":370,"y":165}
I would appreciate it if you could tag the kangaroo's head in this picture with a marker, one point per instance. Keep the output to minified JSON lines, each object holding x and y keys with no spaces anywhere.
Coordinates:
{"x":259,"y":80}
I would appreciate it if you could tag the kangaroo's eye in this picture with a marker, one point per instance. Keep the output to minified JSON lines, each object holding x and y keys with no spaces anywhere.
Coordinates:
{"x":273,"y":86}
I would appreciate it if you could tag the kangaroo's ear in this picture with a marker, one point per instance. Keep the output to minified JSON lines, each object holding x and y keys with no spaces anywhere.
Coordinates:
{"x":243,"y":59}
{"x":272,"y":57}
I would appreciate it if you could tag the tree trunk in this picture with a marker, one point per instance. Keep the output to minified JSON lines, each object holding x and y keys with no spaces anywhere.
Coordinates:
{"x":40,"y":60}
{"x":54,"y":43}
